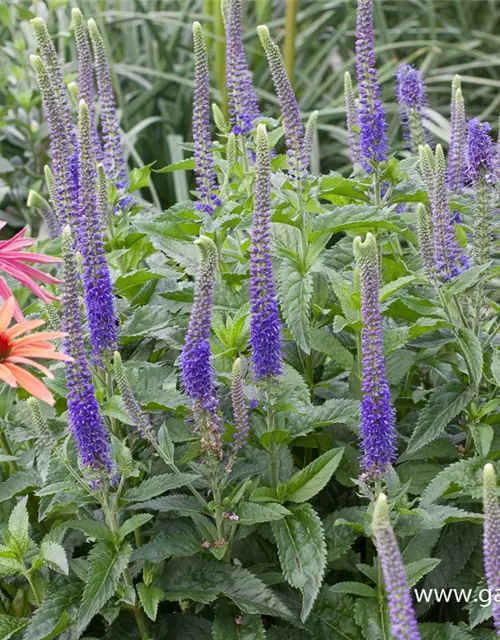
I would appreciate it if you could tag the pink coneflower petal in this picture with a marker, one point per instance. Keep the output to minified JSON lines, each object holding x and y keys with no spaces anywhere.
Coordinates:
{"x":5,"y":294}
{"x":24,"y":327}
{"x":7,"y":376}
{"x":31,"y":363}
{"x":6,"y":313}
{"x":31,"y":384}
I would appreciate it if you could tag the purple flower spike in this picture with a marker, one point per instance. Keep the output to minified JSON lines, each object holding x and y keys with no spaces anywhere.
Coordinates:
{"x":86,"y":75}
{"x":458,"y":144}
{"x":85,"y":419}
{"x":132,"y":407}
{"x":292,"y":123}
{"x":265,"y":325}
{"x":491,"y":539}
{"x":373,"y":141}
{"x":450,"y":260}
{"x":352,"y":116}
{"x":412,"y":98}
{"x":241,"y":418}
{"x":99,"y":299}
{"x":480,"y":151}
{"x":404,"y":624}
{"x":378,"y":418}
{"x":197,"y":372}
{"x":114,"y":157}
{"x":206,"y":178}
{"x":243,"y":105}
{"x":62,"y":197}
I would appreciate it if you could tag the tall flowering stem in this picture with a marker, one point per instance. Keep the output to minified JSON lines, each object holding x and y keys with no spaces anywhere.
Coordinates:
{"x":39,"y":203}
{"x":241,"y":418}
{"x":480,"y":173}
{"x":373,"y":141}
{"x":412,"y":98}
{"x":197,"y":372}
{"x":450,"y":260}
{"x":352,"y":116}
{"x":378,"y":418}
{"x":491,"y":539}
{"x":62,"y":195}
{"x":85,"y":418}
{"x":86,"y":75}
{"x":292,"y":123}
{"x":206,"y":178}
{"x":404,"y":624}
{"x":265,"y":325}
{"x":243,"y":105}
{"x":425,"y":234}
{"x":457,"y":153}
{"x":114,"y":157}
{"x":99,"y":299}
{"x":132,"y":407}
{"x":310,"y":132}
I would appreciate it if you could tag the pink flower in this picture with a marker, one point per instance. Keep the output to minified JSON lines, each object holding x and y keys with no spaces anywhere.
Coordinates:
{"x":15,"y":262}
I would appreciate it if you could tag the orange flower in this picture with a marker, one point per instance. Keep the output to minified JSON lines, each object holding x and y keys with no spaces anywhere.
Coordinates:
{"x":15,"y":351}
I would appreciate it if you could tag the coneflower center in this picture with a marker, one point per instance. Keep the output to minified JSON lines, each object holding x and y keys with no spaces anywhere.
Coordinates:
{"x":5,"y":346}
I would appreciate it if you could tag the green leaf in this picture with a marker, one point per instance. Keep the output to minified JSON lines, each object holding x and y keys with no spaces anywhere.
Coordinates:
{"x":139,"y":178}
{"x":461,"y":473}
{"x":367,"y":615}
{"x":10,"y":625}
{"x":324,"y":342}
{"x":18,"y":529}
{"x":157,"y":485}
{"x":165,"y":442}
{"x":495,"y":366}
{"x":302,"y":552}
{"x":54,"y":556}
{"x":472,"y":352}
{"x":226,"y":627}
{"x":115,"y":408}
{"x":56,"y":611}
{"x":133,"y":523}
{"x":415,"y":571}
{"x":393,"y":287}
{"x":482,"y":434}
{"x":178,"y":539}
{"x":333,"y":617}
{"x":254,"y":513}
{"x":354,"y":588}
{"x":93,"y":528}
{"x":17,"y":483}
{"x":182,"y":165}
{"x":445,"y":404}
{"x":446,"y":631}
{"x":350,"y":217}
{"x":184,"y":505}
{"x":309,"y":481}
{"x":106,"y":565}
{"x":150,"y":598}
{"x":464,"y":281}
{"x":295,"y":293}
{"x":203,"y":580}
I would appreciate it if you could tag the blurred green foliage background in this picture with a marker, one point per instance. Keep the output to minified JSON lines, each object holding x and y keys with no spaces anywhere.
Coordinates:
{"x":150,"y":44}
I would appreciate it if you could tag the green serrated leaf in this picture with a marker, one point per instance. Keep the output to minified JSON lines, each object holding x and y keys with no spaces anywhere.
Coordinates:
{"x":445,"y":404}
{"x":18,"y":528}
{"x":393,"y":287}
{"x":93,"y":528}
{"x":56,"y":611}
{"x":254,"y":513}
{"x":325,"y":343}
{"x":295,"y":293}
{"x":17,"y":483}
{"x":472,"y":352}
{"x":302,"y":552}
{"x":354,"y":588}
{"x":230,"y":626}
{"x":156,"y":485}
{"x":415,"y":571}
{"x":54,"y":555}
{"x":150,"y":598}
{"x":106,"y":565}
{"x":134,"y":523}
{"x":10,"y":625}
{"x":309,"y":481}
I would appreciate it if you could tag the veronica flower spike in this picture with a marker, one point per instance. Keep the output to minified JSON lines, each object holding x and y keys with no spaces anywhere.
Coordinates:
{"x":457,"y":153}
{"x":265,"y":325}
{"x":378,"y":418}
{"x":197,"y":371}
{"x":292,"y":123}
{"x":412,"y":98}
{"x":243,"y":105}
{"x":373,"y":141}
{"x":491,"y":539}
{"x":352,"y":117}
{"x":85,"y":418}
{"x":206,"y":178}
{"x":480,"y":174}
{"x":404,"y":624}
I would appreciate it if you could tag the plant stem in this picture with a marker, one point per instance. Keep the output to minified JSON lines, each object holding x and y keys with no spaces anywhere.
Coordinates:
{"x":5,"y":445}
{"x":273,"y":453}
{"x":242,"y":143}
{"x":290,"y":31}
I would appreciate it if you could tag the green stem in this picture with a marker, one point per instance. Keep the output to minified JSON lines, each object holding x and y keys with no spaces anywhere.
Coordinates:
{"x":242,"y":143}
{"x":5,"y":445}
{"x":273,"y":453}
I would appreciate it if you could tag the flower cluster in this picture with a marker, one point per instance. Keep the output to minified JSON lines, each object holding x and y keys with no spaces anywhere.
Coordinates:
{"x":378,"y":432}
{"x":265,"y":326}
{"x":292,"y":123}
{"x":85,"y":418}
{"x":203,"y":157}
{"x":243,"y":105}
{"x":352,"y":114}
{"x":412,"y":98}
{"x":241,"y":418}
{"x":457,"y":152}
{"x":401,"y":613}
{"x":373,"y":140}
{"x":480,"y":151}
{"x":491,"y":539}
{"x":133,"y":408}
